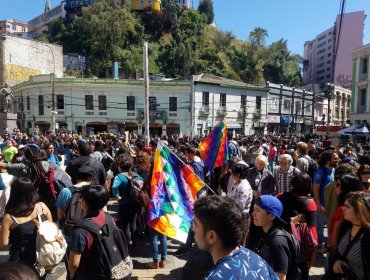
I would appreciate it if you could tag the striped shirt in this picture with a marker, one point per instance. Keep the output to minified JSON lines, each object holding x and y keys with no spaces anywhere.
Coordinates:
{"x":354,"y":259}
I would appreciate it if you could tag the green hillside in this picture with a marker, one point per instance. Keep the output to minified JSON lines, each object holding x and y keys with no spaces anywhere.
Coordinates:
{"x":181,"y":43}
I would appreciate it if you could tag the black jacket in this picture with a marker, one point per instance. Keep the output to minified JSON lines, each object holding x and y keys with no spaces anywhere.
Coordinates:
{"x":365,"y":248}
{"x":75,"y":164}
{"x":267,"y":181}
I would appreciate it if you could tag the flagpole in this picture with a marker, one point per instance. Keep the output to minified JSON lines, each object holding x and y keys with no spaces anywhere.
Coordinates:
{"x":186,"y":166}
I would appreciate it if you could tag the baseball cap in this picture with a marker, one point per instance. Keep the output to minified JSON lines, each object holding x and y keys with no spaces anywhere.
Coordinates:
{"x":271,"y":205}
{"x":21,"y":147}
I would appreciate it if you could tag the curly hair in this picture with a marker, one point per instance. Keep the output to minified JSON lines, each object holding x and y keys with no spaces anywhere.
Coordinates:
{"x":223,"y":215}
{"x":143,"y":162}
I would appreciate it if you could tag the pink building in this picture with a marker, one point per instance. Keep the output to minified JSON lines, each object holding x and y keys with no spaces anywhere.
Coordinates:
{"x":319,"y":53}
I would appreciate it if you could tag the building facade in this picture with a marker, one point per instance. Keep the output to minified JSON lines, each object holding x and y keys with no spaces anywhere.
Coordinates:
{"x":176,"y":107}
{"x":318,"y":56}
{"x":289,"y":109}
{"x":139,"y":5}
{"x":242,"y":106}
{"x":14,"y":28}
{"x":42,"y":23}
{"x":20,"y":59}
{"x":338,"y":112}
{"x":360,"y":112}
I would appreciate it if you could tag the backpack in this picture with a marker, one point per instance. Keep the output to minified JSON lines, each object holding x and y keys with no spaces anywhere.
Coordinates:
{"x":294,"y":249}
{"x":138,"y":193}
{"x":73,"y":212}
{"x":52,"y":184}
{"x":50,"y":246}
{"x":312,"y":166}
{"x":307,"y":243}
{"x":110,"y":245}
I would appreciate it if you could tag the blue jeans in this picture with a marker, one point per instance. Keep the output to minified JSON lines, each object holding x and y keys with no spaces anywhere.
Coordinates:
{"x":155,"y":235}
{"x":321,"y":219}
{"x":271,"y":164}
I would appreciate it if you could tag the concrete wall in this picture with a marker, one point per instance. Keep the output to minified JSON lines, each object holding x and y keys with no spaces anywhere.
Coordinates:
{"x":24,"y":58}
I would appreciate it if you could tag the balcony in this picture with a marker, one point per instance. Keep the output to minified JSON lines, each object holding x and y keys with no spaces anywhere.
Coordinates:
{"x":204,"y":110}
{"x":153,"y":115}
{"x":221,"y":111}
{"x":257,"y":113}
{"x":363,"y":77}
{"x":361,"y":109}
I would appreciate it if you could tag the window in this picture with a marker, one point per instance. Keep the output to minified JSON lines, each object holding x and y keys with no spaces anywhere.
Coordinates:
{"x":286,"y":104}
{"x":23,"y":29}
{"x":363,"y":97}
{"x":130,"y":103}
{"x":298,"y":107}
{"x":223,"y":99}
{"x":152,"y":103}
{"x":28,"y":103}
{"x":102,"y":100}
{"x":89,"y":102}
{"x":243,"y":101}
{"x":60,"y":102}
{"x":274,"y":102}
{"x":41,"y":105}
{"x":14,"y":27}
{"x":258,"y":102}
{"x":307,"y":107}
{"x":205,"y":98}
{"x":364,"y":65}
{"x":173,"y":104}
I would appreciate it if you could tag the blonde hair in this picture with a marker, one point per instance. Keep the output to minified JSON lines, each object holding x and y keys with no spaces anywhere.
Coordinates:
{"x":263,"y":158}
{"x":302,"y":148}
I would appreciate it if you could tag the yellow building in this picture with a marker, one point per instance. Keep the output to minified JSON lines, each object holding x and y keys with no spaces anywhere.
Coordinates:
{"x":139,"y":5}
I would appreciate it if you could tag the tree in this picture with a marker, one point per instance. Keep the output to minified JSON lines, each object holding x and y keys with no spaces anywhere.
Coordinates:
{"x":258,"y":36}
{"x":206,"y":7}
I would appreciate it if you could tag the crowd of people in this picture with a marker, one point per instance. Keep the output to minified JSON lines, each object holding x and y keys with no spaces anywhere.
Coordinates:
{"x":243,"y":218}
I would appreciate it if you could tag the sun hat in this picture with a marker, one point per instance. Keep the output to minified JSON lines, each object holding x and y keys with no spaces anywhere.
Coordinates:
{"x":271,"y":205}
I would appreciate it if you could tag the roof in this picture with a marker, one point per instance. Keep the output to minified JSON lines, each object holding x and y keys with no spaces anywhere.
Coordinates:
{"x":216,"y":80}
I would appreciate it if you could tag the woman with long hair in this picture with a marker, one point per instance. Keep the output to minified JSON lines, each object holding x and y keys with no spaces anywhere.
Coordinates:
{"x":18,"y":227}
{"x":364,"y":174}
{"x":35,"y":167}
{"x":352,"y":257}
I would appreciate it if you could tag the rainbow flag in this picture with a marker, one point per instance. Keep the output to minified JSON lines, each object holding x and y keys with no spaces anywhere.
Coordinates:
{"x":173,"y":188}
{"x":214,"y":149}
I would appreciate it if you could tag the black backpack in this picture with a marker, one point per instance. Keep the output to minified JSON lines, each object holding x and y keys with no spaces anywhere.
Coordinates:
{"x":73,"y":213}
{"x":312,"y":166}
{"x":136,"y":187}
{"x":111,"y":249}
{"x":294,"y":248}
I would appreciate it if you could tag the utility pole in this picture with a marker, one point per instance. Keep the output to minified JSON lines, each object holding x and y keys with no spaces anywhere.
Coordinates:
{"x":146,"y":87}
{"x":53,"y":111}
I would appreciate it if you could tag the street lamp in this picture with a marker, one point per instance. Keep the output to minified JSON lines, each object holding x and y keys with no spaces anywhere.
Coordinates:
{"x":53,"y":111}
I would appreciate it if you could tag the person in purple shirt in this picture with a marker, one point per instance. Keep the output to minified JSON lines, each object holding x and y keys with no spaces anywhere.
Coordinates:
{"x":218,"y":229}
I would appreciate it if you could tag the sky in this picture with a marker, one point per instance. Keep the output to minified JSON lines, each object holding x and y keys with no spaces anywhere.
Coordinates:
{"x":296,"y":21}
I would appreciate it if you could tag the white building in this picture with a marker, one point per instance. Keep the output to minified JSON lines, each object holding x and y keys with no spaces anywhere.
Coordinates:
{"x":361,"y":85}
{"x":176,"y":107}
{"x":243,"y":106}
{"x":340,"y":107}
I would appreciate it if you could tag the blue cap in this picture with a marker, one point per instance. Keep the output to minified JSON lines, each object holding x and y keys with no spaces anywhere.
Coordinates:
{"x":271,"y":205}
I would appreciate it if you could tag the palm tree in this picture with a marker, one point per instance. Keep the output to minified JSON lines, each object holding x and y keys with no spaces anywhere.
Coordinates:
{"x":258,"y":36}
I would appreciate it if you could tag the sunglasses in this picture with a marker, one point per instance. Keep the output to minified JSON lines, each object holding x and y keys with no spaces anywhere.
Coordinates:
{"x":366,"y":173}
